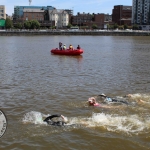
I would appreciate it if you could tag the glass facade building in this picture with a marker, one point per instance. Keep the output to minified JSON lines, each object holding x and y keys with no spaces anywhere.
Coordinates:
{"x":18,"y":10}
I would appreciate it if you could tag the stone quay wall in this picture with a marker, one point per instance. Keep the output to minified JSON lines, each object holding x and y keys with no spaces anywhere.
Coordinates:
{"x":74,"y":33}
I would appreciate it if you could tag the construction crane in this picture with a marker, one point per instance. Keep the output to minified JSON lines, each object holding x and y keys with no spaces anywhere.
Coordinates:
{"x":30,"y":2}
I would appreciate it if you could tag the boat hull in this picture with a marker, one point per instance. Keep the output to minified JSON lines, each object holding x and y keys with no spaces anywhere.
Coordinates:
{"x":67,"y":52}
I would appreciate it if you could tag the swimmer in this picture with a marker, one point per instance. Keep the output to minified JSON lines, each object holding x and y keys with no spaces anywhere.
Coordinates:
{"x":56,"y":123}
{"x":131,"y":96}
{"x":92,"y":102}
{"x":111,"y":100}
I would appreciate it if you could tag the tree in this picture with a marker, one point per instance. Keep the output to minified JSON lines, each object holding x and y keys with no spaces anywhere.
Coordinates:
{"x":115,"y":26}
{"x":94,"y":26}
{"x":69,"y":25}
{"x":8,"y":23}
{"x":108,"y":26}
{"x":18,"y":25}
{"x":27,"y":24}
{"x":35,"y":24}
{"x":125,"y":26}
{"x":135,"y":27}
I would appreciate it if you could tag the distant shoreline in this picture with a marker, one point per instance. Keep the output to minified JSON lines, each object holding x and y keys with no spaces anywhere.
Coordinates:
{"x":76,"y":33}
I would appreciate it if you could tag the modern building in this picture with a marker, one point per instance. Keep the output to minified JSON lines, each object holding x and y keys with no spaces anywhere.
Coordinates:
{"x":141,"y":12}
{"x":58,"y":17}
{"x":122,"y":15}
{"x":19,"y":10}
{"x":2,"y":12}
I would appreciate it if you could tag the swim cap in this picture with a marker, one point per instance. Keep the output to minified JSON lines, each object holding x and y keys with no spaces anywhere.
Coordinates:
{"x":103,"y":95}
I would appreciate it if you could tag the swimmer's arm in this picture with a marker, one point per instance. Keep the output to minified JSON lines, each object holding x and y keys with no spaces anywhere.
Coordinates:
{"x":106,"y":106}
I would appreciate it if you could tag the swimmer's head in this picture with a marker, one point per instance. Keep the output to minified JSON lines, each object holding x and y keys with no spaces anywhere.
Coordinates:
{"x":102,"y":95}
{"x":91,"y":101}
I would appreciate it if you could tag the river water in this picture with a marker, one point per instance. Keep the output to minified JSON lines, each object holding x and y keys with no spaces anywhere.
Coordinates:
{"x":34,"y":83}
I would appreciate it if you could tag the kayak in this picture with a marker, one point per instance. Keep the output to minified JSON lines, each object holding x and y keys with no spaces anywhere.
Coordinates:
{"x":67,"y":52}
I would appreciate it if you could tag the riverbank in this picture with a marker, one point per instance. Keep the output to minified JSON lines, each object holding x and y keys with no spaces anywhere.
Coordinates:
{"x":93,"y":33}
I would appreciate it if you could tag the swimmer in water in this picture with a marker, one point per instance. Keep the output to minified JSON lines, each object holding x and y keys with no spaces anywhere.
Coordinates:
{"x":132,"y":96}
{"x":124,"y":100}
{"x":111,"y":100}
{"x":92,"y":102}
{"x":50,"y":121}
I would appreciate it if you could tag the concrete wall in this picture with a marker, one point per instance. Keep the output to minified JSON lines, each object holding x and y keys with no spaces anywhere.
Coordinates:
{"x":92,"y":33}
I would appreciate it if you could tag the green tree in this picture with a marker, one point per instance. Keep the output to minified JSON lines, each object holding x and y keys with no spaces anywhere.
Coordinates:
{"x":94,"y":26}
{"x":115,"y":26}
{"x":27,"y":24}
{"x":8,"y":23}
{"x":125,"y":26}
{"x":18,"y":25}
{"x":35,"y":24}
{"x":135,"y":27}
{"x":69,"y":25}
{"x":108,"y":26}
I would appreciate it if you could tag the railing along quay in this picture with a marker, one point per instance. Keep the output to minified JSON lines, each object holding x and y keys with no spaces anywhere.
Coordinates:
{"x":80,"y":32}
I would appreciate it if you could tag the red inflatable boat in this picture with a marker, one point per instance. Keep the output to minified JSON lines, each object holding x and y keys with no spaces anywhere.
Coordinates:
{"x":67,"y":52}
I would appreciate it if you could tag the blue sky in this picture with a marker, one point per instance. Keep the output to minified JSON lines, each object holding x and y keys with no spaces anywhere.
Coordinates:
{"x":87,"y":6}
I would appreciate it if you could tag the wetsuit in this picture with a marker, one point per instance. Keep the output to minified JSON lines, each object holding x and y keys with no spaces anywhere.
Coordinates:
{"x":54,"y":123}
{"x":108,"y":99}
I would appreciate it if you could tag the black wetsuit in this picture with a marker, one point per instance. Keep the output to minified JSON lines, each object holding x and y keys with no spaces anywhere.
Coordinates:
{"x":54,"y":123}
{"x":108,"y":99}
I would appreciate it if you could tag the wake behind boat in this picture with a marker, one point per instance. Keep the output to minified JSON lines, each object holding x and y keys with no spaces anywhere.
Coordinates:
{"x":67,"y":51}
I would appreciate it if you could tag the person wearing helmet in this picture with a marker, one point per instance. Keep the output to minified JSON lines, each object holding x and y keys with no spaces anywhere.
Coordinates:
{"x":71,"y":47}
{"x":78,"y":47}
{"x":64,"y":47}
{"x":60,"y":45}
{"x":50,"y":120}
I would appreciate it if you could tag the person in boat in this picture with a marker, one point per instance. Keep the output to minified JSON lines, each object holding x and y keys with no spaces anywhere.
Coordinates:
{"x":50,"y":120}
{"x":70,"y":47}
{"x":64,"y":47}
{"x":60,"y":45}
{"x":78,"y":47}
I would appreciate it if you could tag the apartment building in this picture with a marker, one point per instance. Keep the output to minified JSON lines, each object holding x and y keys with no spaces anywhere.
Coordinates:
{"x":59,"y":17}
{"x":82,"y":19}
{"x":33,"y":14}
{"x":141,"y":12}
{"x":2,"y":12}
{"x":122,"y":15}
{"x":87,"y":19}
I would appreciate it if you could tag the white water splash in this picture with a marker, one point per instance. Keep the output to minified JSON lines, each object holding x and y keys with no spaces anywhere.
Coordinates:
{"x":113,"y":123}
{"x":34,"y":117}
{"x":130,"y":124}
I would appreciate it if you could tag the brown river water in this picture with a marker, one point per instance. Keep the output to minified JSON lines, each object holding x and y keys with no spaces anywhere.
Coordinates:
{"x":34,"y":83}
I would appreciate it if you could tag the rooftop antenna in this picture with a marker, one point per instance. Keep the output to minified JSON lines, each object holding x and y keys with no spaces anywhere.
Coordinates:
{"x":30,"y":2}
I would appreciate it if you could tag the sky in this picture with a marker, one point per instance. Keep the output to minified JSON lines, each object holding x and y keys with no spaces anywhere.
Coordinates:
{"x":87,"y":6}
